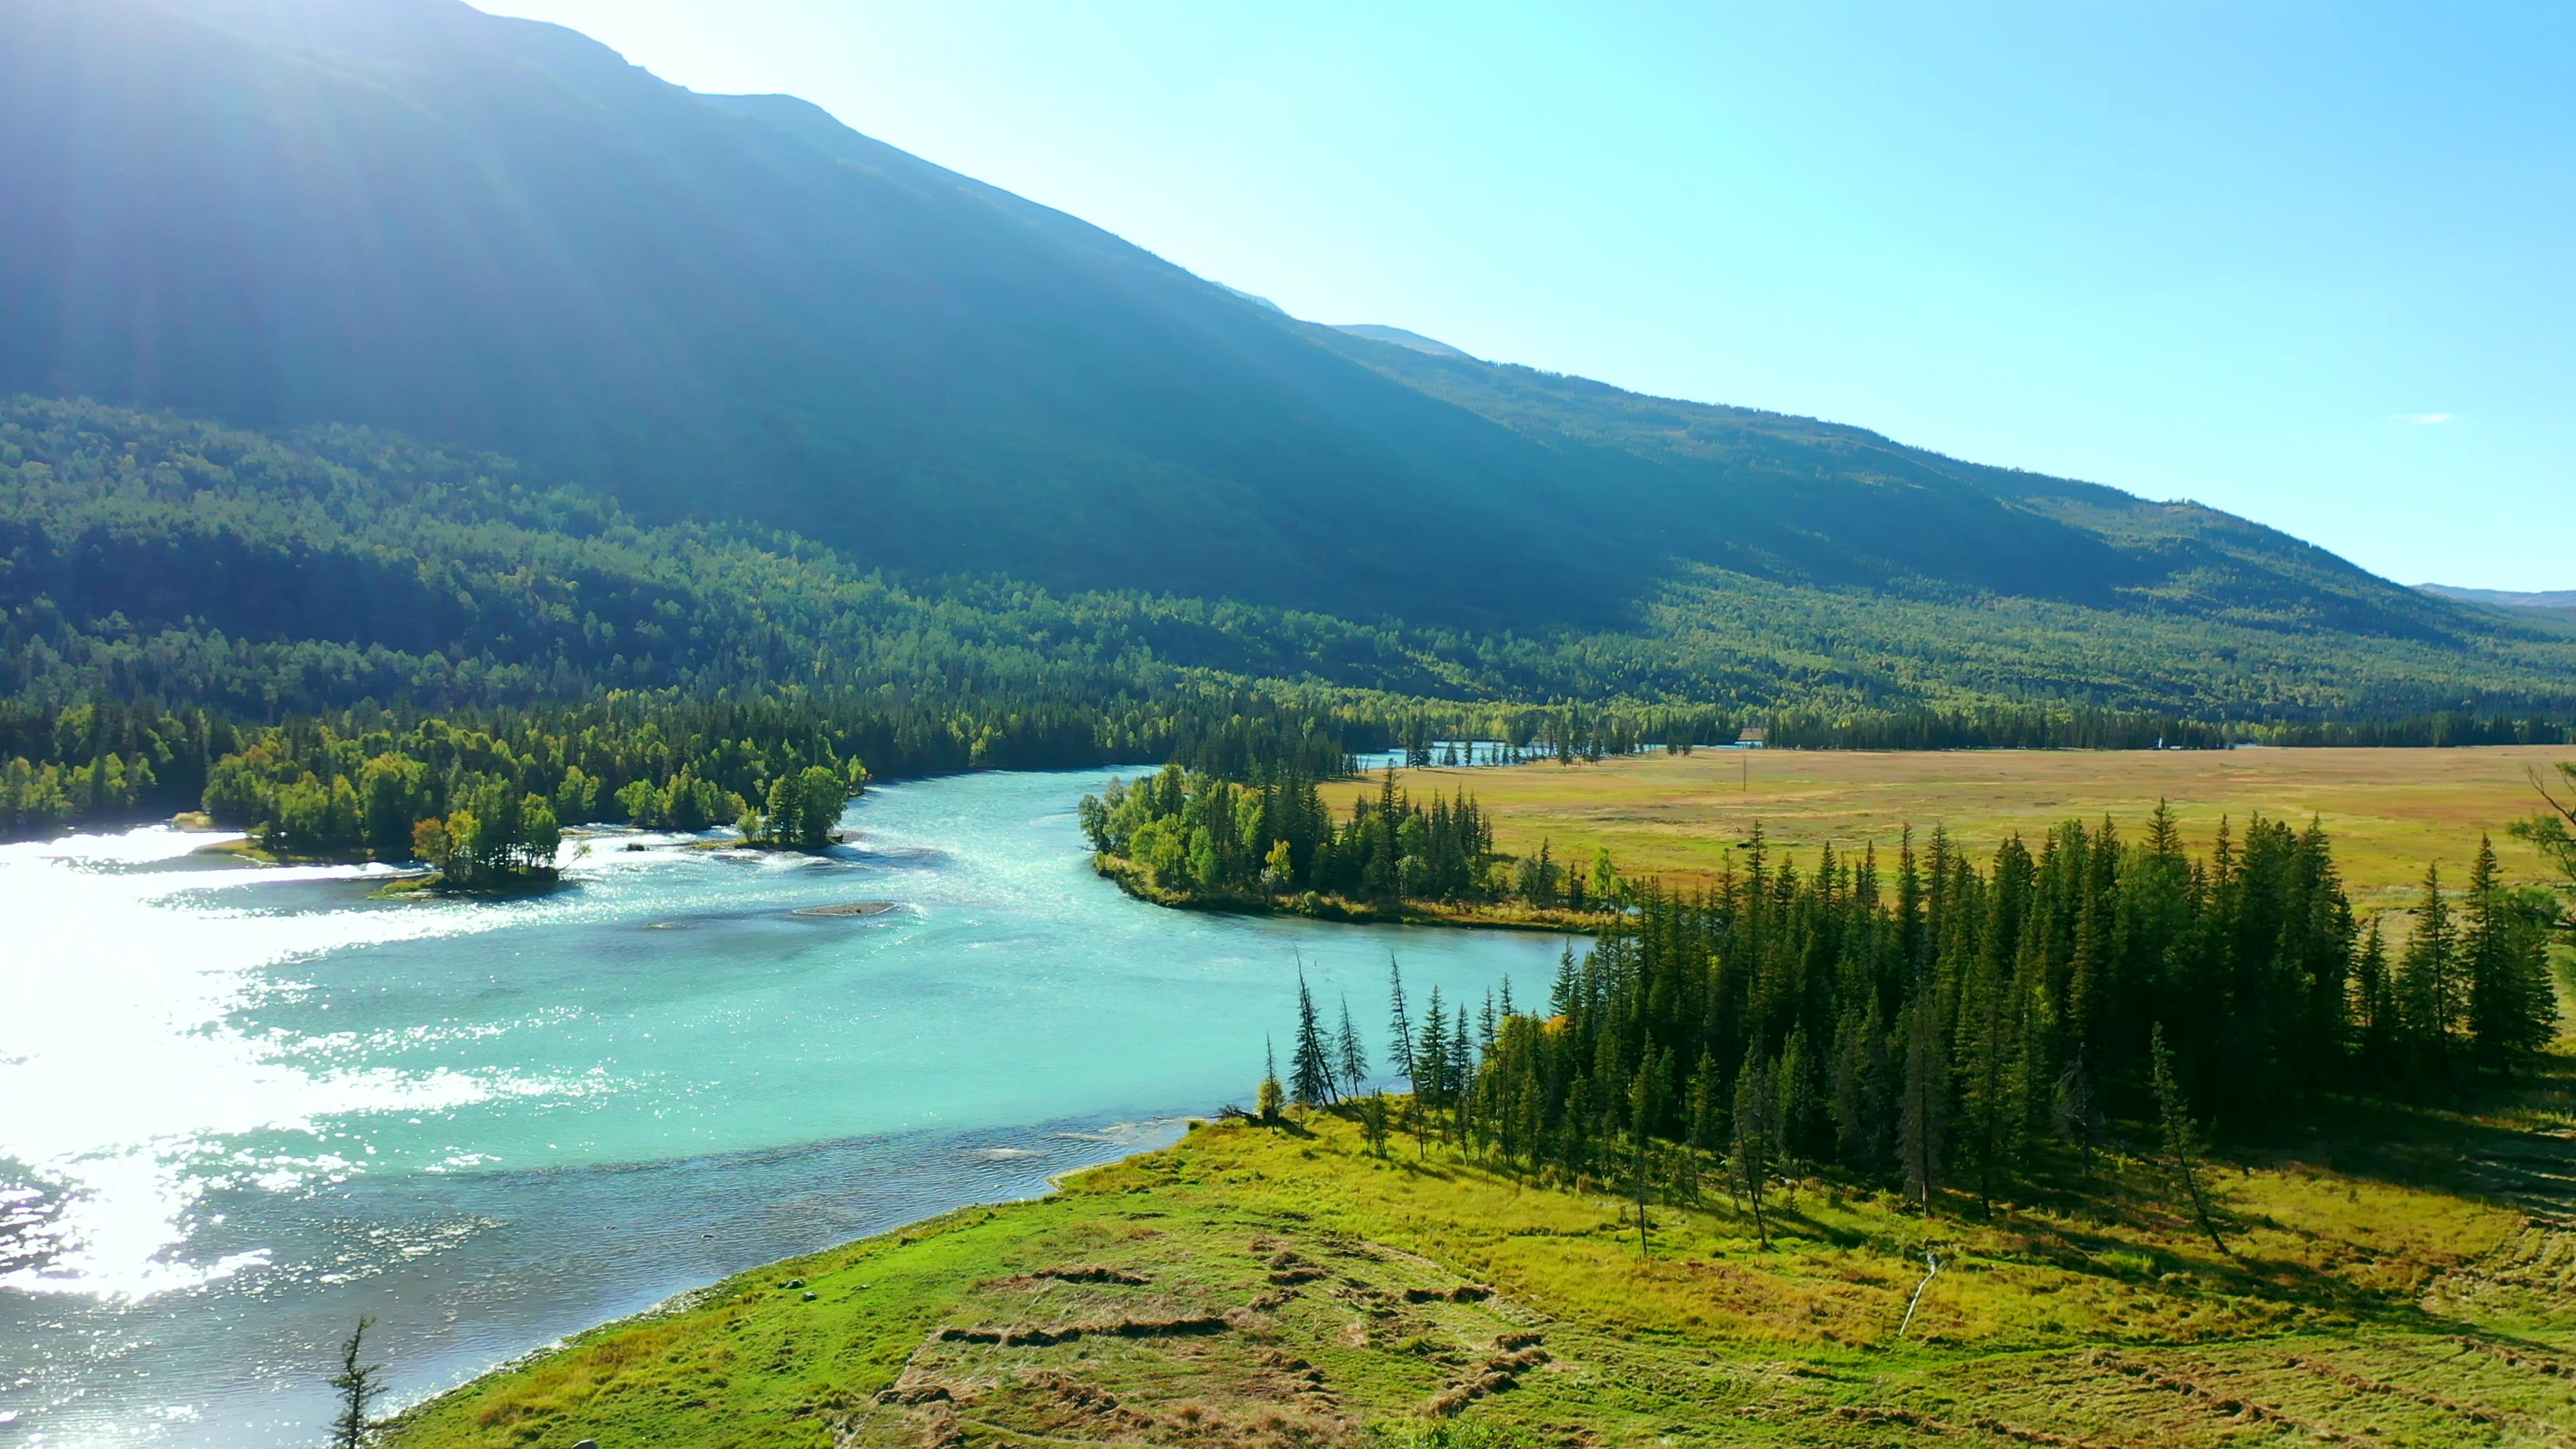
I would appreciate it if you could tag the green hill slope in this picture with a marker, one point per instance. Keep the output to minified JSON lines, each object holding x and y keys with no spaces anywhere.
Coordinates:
{"x":154,"y":558}
{"x":496,"y":236}
{"x":1251,"y":1287}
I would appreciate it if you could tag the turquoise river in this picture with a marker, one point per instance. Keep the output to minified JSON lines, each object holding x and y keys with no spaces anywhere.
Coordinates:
{"x":240,"y":1106}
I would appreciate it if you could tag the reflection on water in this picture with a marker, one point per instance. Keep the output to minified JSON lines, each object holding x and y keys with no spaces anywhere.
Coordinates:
{"x":240,"y":1106}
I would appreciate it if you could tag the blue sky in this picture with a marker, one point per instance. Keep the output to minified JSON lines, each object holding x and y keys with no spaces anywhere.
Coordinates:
{"x":2311,"y":263}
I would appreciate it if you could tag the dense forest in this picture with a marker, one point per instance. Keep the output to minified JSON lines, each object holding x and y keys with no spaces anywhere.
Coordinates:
{"x":356,"y":783}
{"x":168,"y":586}
{"x":1928,"y":1024}
{"x":1199,"y":834}
{"x":995,"y":487}
{"x":158,"y":561}
{"x":170,"y":589}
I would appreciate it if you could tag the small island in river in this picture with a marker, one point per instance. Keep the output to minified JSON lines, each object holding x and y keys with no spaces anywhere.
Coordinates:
{"x":1195,"y":841}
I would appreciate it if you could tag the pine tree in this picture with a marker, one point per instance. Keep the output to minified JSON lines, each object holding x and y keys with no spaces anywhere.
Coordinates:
{"x":1989,"y":1060}
{"x":1349,"y":1056}
{"x":1399,"y":1046}
{"x":2077,"y":1110}
{"x":1373,"y":1121}
{"x":359,"y":1385}
{"x":2375,"y":1019}
{"x":2429,"y":982}
{"x":1859,"y":1096}
{"x":1641,"y":1113}
{"x":1430,"y":1074}
{"x":1462,"y":1071}
{"x":2182,"y":1140}
{"x":1310,"y":1067}
{"x":2511,"y":1010}
{"x":1923,"y":1111}
{"x":1703,"y":1114}
{"x":1271,"y":1097}
{"x":1757,"y":1124}
{"x":1795,"y":1103}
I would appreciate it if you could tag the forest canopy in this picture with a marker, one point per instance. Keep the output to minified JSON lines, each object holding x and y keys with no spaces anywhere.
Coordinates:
{"x":170,"y":588}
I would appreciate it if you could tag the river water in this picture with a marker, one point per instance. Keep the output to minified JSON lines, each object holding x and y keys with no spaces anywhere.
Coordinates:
{"x":241,"y":1106}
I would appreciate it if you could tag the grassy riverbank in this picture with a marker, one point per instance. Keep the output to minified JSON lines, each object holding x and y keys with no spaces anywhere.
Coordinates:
{"x":1490,"y":916}
{"x":2412,"y":1283}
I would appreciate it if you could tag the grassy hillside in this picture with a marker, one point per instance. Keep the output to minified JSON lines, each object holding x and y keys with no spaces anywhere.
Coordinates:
{"x":1250,"y":1286}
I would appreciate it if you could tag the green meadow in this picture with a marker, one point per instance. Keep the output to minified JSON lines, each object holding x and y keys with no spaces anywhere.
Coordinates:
{"x":1290,"y":1286}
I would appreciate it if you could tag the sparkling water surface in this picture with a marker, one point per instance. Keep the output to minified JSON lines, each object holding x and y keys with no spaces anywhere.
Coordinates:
{"x":241,"y":1106}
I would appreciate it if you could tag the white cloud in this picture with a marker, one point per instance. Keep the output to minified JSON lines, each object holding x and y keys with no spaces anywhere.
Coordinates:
{"x":2420,"y":419}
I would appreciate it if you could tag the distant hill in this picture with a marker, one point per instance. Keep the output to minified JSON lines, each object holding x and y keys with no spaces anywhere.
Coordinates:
{"x":496,"y":236}
{"x":2504,"y":598}
{"x":1400,"y":338}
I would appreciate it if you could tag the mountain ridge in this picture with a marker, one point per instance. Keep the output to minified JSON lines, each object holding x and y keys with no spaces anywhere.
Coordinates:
{"x":497,"y":236}
{"x":2504,"y":598}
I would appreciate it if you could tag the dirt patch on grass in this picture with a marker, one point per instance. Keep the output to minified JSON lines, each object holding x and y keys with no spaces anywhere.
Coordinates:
{"x":1085,"y":1273}
{"x":1494,"y":1375}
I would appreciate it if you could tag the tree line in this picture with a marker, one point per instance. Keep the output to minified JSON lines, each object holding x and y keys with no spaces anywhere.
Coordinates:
{"x":1936,"y":1026}
{"x":661,"y":759}
{"x":1195,"y":832}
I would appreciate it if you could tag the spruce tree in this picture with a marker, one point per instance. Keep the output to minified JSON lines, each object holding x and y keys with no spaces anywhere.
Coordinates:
{"x":1462,"y":1071}
{"x":1310,"y":1066}
{"x":1641,"y":1114}
{"x":1563,"y":997}
{"x":1757,"y":1123}
{"x":2375,"y":1019}
{"x":1923,"y":1109}
{"x":1349,"y":1056}
{"x":2182,"y":1141}
{"x":2077,"y":1110}
{"x":1430,"y":1072}
{"x":1703,"y":1119}
{"x":1373,"y":1121}
{"x":1399,"y":1046}
{"x":2511,"y":1009}
{"x":359,"y":1385}
{"x":1271,"y":1097}
{"x":2429,"y":982}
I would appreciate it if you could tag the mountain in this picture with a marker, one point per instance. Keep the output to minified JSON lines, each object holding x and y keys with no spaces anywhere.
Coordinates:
{"x":496,"y":237}
{"x":1400,"y":338}
{"x":2504,"y":598}
{"x":172,"y":561}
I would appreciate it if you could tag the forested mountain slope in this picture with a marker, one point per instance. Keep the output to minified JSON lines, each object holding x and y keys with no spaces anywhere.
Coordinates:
{"x":495,"y":233}
{"x":496,"y":236}
{"x":156,"y":559}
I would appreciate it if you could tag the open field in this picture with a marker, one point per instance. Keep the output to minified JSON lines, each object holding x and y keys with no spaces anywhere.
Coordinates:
{"x":1286,"y":1287}
{"x":1675,"y":816}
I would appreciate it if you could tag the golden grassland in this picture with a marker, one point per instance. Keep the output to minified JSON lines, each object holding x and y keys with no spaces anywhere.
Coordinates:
{"x":1675,"y":817}
{"x":2413,"y":1284}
